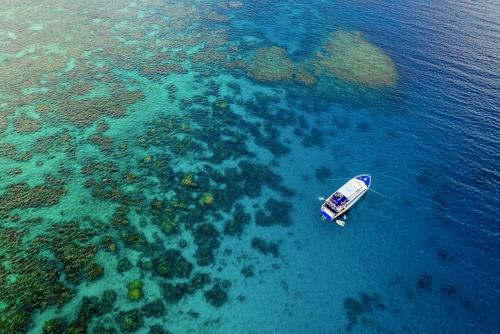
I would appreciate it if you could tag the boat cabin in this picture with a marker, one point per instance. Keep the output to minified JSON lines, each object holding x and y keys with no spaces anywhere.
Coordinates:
{"x":345,"y":196}
{"x":345,"y":193}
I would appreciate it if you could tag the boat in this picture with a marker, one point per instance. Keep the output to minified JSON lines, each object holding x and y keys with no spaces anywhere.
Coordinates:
{"x":345,"y":197}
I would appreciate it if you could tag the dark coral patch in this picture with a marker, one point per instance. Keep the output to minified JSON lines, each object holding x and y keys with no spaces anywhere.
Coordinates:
{"x":424,"y":283}
{"x":129,"y":321}
{"x":278,"y":213}
{"x":265,"y":247}
{"x":217,"y":295}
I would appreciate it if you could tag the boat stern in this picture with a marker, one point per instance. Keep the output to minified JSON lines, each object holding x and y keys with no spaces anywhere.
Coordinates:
{"x":365,"y":178}
{"x":327,"y":214}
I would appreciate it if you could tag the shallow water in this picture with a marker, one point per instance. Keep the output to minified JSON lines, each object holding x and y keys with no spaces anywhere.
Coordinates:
{"x":193,"y":138}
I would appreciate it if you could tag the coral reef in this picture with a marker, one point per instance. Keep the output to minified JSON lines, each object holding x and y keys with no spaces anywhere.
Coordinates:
{"x":207,"y":198}
{"x":154,"y":309}
{"x":348,"y":55}
{"x":265,"y":247}
{"x":134,"y":290}
{"x":279,"y":213}
{"x":217,"y":295}
{"x":75,"y":112}
{"x":124,"y":264}
{"x":25,"y":124}
{"x":271,"y":64}
{"x":236,"y":225}
{"x":172,"y":264}
{"x":359,"y":309}
{"x":54,"y":326}
{"x":206,"y":238}
{"x":21,"y":196}
{"x":130,"y":321}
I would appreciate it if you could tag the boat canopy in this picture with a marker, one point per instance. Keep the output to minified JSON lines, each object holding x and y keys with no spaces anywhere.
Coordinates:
{"x":350,"y":188}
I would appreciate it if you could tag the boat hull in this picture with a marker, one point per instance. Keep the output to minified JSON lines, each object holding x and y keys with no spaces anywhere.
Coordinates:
{"x":362,"y":181}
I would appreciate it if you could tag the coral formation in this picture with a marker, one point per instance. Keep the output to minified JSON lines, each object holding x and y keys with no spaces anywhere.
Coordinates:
{"x":265,"y":247}
{"x":130,"y":321}
{"x":154,"y":309}
{"x":424,"y":283}
{"x":74,"y":110}
{"x":348,"y":55}
{"x":271,"y":64}
{"x":207,"y":198}
{"x":356,"y":309}
{"x":217,"y":295}
{"x":206,"y":238}
{"x":236,"y":225}
{"x":322,"y":173}
{"x":279,"y":213}
{"x":134,"y":290}
{"x":21,"y":196}
{"x":172,"y":264}
{"x":25,"y":124}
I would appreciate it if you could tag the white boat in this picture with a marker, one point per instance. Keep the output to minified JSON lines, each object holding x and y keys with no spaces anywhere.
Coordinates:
{"x":345,"y":197}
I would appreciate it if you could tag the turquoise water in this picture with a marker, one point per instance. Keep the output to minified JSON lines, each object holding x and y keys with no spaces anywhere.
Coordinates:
{"x":162,"y":161}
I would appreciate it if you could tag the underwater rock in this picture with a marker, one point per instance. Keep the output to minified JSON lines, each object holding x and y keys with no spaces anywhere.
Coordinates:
{"x":130,"y":321}
{"x":265,"y":247}
{"x":154,"y":309}
{"x":271,"y":64}
{"x":351,"y":57}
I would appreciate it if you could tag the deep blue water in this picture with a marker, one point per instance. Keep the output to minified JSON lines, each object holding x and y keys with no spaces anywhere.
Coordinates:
{"x":433,"y":150}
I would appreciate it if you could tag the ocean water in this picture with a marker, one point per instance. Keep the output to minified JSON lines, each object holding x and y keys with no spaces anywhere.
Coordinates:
{"x":161,"y":164}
